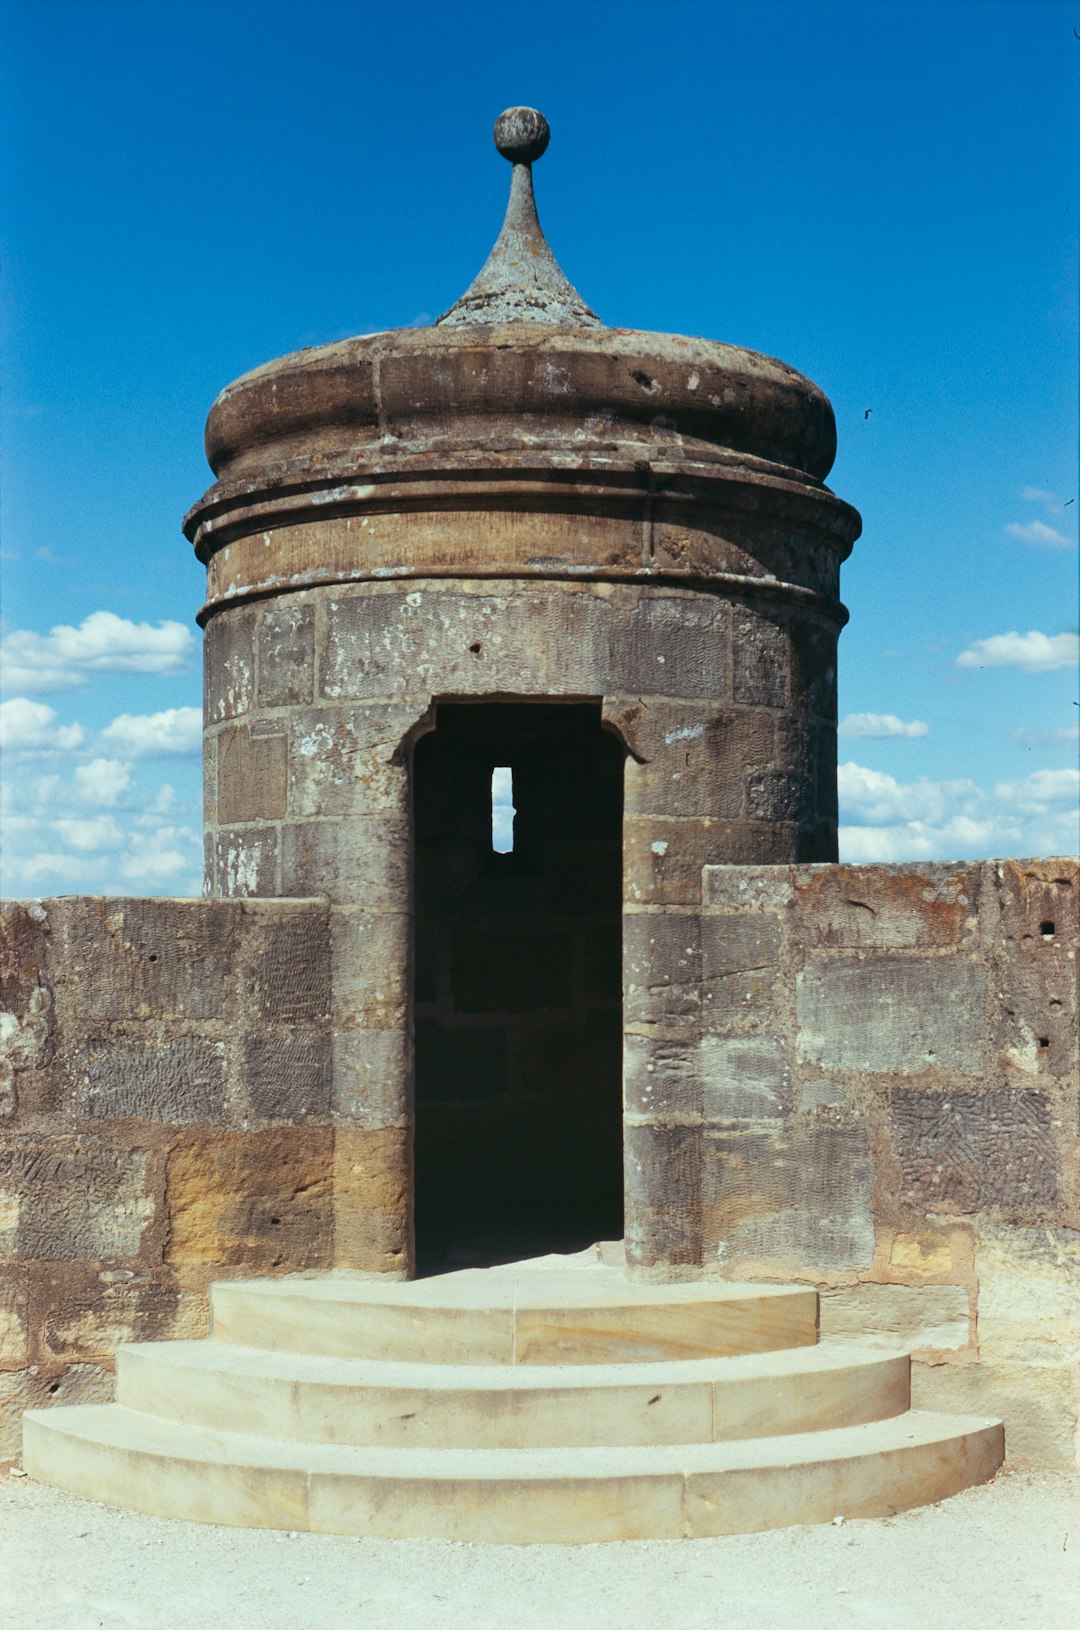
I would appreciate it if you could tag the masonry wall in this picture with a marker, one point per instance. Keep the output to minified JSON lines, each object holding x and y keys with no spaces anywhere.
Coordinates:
{"x":863,"y":1078}
{"x":866,"y":1078}
{"x":166,"y":1103}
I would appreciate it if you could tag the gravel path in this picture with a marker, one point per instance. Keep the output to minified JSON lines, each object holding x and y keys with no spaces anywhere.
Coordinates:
{"x":1002,"y":1557}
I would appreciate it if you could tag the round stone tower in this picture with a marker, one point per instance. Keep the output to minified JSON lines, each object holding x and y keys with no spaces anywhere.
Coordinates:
{"x":600,"y":561}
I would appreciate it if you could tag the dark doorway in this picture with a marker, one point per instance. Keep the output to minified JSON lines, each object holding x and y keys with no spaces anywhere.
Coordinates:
{"x":518,"y":1005}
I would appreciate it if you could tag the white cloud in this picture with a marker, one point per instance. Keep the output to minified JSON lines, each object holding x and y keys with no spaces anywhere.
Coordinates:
{"x":883,"y":819}
{"x":1036,"y":792}
{"x":876,"y":799}
{"x":23,"y":872}
{"x":64,"y":658}
{"x":102,"y":782}
{"x":149,"y":735}
{"x":962,"y":837}
{"x":30,"y":727}
{"x":1065,"y":737}
{"x":162,"y":855}
{"x":1047,"y":537}
{"x":880,"y":727}
{"x":1039,"y":495}
{"x":1032,"y":652}
{"x":90,"y":833}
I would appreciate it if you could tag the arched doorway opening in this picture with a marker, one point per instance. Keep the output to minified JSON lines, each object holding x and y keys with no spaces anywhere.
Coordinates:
{"x":518,"y":982}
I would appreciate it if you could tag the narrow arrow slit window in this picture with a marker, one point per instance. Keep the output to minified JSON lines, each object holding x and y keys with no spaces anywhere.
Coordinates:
{"x":502,"y":809}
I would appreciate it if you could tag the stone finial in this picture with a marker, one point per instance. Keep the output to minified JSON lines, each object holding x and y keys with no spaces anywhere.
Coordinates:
{"x":521,"y":281}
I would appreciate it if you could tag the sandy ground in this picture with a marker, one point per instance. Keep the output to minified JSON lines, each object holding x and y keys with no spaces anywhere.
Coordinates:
{"x":1005,"y":1555}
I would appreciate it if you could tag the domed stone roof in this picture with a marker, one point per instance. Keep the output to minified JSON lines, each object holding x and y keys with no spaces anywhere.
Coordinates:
{"x":517,"y":397}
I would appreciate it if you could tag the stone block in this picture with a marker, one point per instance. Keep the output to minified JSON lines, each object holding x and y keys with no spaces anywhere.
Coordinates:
{"x":229,"y":664}
{"x":663,"y":858}
{"x":669,"y":645}
{"x":366,"y":860}
{"x":796,"y":1199}
{"x":1036,"y":929}
{"x":813,"y":667}
{"x":82,"y":1319}
{"x":244,"y":862}
{"x":966,"y":1152}
{"x":14,"y":1330}
{"x":779,"y":795}
{"x":901,"y":1316}
{"x":372,"y":1211}
{"x":286,"y":652}
{"x":932,"y":1251}
{"x":663,"y":1182}
{"x":440,"y":640}
{"x":661,"y":967}
{"x":25,"y":947}
{"x":1039,"y":902}
{"x":1029,"y":1294}
{"x":39,"y":1388}
{"x":173,"y":1078}
{"x":826,"y":794}
{"x":892,"y":1014}
{"x":149,"y":959}
{"x":888,"y":907}
{"x":747,"y":888}
{"x":760,"y":658}
{"x":350,"y":761}
{"x":662,"y":1077}
{"x":288,"y":979}
{"x":696,"y":760}
{"x":373,"y":1072}
{"x":253,"y":776}
{"x":1039,"y":1403}
{"x":289,"y":1077}
{"x":256,"y":1201}
{"x":744,"y":1078}
{"x":371,"y":958}
{"x":64,"y":1198}
{"x":27,"y":1016}
{"x":740,"y":966}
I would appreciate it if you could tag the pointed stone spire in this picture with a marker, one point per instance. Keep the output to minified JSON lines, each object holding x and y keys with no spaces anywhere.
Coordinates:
{"x":521,"y":281}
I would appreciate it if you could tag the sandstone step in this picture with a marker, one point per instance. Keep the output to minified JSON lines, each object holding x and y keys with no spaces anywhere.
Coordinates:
{"x":368,"y":1401}
{"x":500,"y":1316}
{"x":509,"y":1495}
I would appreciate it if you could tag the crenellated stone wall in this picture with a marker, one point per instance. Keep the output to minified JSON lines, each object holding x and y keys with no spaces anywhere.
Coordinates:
{"x":862,"y":1078}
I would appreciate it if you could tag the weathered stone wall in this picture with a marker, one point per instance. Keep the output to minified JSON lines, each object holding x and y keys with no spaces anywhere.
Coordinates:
{"x":313,"y":703}
{"x":866,"y":1077}
{"x":863,"y":1078}
{"x":166,"y":1094}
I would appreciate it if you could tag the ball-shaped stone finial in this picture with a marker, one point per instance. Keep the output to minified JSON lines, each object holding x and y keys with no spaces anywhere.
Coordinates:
{"x":521,"y":134}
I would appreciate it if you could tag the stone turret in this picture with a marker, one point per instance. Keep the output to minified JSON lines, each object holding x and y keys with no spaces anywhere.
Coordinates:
{"x":603,"y":559}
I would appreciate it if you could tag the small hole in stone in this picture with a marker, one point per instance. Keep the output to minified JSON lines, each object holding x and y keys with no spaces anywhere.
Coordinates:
{"x":646,"y":381}
{"x":1044,"y":1041}
{"x":275,"y":1221}
{"x":55,"y":1387}
{"x":1046,"y":930}
{"x":476,"y":648}
{"x":152,"y":957}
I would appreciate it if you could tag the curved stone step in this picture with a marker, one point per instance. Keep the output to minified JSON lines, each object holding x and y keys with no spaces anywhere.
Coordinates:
{"x":536,"y":1316}
{"x":509,"y":1495}
{"x":366,"y":1401}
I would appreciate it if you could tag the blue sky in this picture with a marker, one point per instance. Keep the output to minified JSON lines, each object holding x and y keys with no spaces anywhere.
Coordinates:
{"x":882,"y":194}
